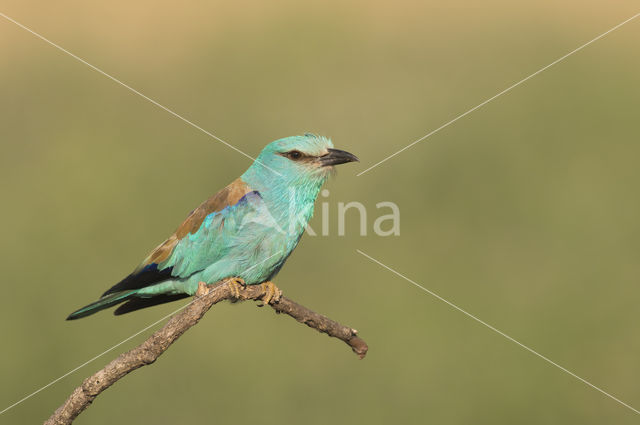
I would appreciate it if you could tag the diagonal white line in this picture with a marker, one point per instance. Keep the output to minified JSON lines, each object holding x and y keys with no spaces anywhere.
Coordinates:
{"x":117,"y":345}
{"x":499,"y":94}
{"x":531,"y":350}
{"x":92,"y":359}
{"x":192,"y":124}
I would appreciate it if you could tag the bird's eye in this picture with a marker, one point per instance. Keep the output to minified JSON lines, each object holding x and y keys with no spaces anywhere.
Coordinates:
{"x":295,"y":155}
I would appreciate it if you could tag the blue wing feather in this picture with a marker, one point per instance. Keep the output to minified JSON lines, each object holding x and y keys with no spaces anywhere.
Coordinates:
{"x":217,"y":235}
{"x":197,"y":250}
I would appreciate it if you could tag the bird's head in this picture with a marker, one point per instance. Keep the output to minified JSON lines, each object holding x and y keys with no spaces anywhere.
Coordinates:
{"x":289,"y":173}
{"x":299,"y":159}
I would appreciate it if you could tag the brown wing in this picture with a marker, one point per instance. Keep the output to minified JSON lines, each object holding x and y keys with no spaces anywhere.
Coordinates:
{"x":144,"y":276}
{"x":228,"y":196}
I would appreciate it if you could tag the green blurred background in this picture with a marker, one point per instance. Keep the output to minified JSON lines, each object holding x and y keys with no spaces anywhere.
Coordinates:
{"x":525,"y":213}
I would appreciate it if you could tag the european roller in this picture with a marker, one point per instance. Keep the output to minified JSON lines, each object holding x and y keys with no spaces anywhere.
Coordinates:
{"x":246,"y":230}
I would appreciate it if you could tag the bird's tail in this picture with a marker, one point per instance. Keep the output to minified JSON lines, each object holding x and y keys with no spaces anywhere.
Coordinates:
{"x":104,"y":302}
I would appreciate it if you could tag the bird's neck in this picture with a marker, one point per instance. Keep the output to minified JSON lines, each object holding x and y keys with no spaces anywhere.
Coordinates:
{"x":290,"y":199}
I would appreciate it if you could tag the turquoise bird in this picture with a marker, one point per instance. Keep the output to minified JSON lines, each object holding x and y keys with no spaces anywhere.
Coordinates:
{"x":246,"y":230}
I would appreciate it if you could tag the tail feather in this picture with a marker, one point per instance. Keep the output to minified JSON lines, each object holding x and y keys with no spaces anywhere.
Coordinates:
{"x":104,"y":302}
{"x":136,"y":303}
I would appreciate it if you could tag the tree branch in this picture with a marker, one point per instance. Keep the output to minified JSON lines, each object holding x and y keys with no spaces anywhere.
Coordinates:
{"x":147,"y":352}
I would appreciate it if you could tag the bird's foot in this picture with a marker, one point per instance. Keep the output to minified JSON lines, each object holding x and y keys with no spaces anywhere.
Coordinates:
{"x":235,"y":285}
{"x":203,"y":289}
{"x":272,"y":293}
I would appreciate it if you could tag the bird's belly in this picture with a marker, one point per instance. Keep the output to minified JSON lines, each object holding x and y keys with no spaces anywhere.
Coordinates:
{"x":255,"y":263}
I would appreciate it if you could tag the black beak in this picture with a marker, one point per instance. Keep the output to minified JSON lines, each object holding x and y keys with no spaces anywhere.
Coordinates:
{"x":336,"y":156}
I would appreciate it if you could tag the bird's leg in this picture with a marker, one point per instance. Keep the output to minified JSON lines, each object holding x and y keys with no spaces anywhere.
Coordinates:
{"x":235,"y":285}
{"x":272,"y":293}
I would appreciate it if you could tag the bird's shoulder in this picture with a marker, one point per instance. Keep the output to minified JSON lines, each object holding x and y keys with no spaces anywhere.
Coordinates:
{"x":227,"y":197}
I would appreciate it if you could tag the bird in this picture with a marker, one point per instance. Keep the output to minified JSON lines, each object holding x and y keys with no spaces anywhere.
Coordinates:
{"x":246,"y":230}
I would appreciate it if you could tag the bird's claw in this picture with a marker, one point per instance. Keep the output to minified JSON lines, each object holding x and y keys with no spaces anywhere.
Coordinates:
{"x":203,"y":289}
{"x":235,"y":285}
{"x":272,"y":293}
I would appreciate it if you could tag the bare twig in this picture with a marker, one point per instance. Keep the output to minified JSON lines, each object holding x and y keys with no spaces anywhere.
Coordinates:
{"x":147,"y":352}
